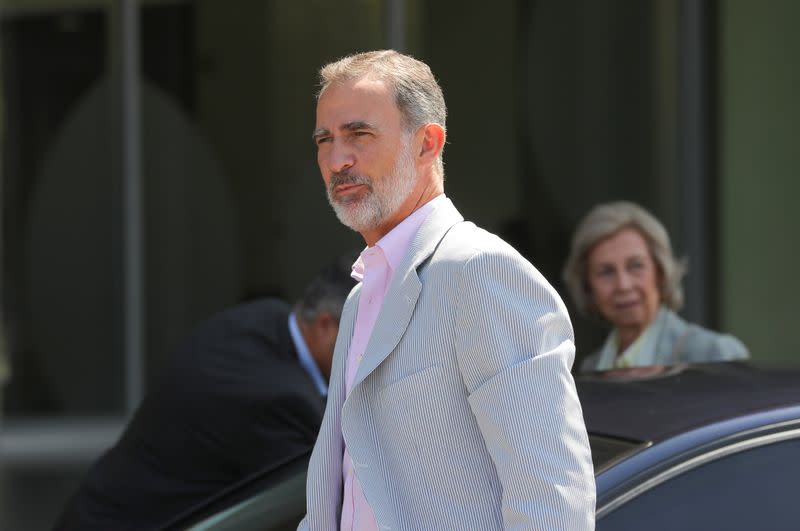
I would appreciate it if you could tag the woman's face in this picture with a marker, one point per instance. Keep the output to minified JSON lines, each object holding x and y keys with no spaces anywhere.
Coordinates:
{"x":623,"y":280}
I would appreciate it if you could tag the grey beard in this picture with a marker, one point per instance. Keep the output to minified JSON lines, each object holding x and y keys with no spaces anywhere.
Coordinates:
{"x":358,"y":213}
{"x":381,"y":200}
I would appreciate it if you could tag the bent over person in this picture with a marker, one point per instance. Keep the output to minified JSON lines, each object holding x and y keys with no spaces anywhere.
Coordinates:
{"x":243,"y":393}
{"x":451,"y":404}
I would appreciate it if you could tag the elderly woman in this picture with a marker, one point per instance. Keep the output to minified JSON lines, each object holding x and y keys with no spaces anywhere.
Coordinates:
{"x":621,"y":267}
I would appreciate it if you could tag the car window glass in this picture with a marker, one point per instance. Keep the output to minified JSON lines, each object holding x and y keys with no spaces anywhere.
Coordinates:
{"x":278,"y":508}
{"x":754,"y":489}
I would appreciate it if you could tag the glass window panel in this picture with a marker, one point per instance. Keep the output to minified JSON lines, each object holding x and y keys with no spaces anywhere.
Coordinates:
{"x":60,"y":197}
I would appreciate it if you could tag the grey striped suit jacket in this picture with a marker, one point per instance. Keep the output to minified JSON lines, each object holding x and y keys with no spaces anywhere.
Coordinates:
{"x":463,"y":414}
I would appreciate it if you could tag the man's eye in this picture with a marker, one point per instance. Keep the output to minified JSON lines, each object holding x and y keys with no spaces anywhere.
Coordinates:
{"x":323,"y":140}
{"x":361,"y":133}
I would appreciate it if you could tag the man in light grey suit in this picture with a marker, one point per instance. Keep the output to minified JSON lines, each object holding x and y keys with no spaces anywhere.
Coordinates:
{"x":451,"y":404}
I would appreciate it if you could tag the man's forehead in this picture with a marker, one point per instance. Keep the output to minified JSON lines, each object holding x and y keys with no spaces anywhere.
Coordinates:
{"x":356,"y":102}
{"x":363,"y":84}
{"x":363,"y":90}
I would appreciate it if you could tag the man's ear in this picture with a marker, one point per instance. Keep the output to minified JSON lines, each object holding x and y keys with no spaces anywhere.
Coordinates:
{"x":324,"y":322}
{"x":433,"y":138}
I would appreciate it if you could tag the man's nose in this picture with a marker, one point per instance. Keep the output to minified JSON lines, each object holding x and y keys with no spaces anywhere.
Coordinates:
{"x":339,"y":157}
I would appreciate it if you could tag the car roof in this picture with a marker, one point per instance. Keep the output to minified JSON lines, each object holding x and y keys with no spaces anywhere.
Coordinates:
{"x":652,"y":406}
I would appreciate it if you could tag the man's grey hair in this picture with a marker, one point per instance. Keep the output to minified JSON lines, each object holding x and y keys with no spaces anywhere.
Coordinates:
{"x":328,"y":291}
{"x":606,"y":220}
{"x":417,"y":94}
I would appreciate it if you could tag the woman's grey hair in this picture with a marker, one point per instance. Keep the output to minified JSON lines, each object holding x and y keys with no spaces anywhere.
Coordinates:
{"x":417,"y":94}
{"x":606,"y":220}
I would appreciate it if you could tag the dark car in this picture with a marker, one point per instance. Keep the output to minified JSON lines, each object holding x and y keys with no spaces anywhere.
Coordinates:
{"x":705,"y":447}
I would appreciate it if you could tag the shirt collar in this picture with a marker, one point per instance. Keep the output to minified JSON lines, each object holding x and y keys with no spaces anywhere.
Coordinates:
{"x":395,"y":243}
{"x":304,"y":355}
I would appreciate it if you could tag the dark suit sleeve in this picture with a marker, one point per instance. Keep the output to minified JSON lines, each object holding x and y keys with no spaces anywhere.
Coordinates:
{"x":234,"y":400}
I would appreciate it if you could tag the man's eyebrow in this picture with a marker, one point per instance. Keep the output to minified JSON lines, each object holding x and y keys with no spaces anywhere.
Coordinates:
{"x":356,"y":125}
{"x":322,"y":131}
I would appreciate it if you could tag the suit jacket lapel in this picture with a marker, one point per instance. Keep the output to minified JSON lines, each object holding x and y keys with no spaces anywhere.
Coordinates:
{"x":398,"y":305}
{"x":404,"y":290}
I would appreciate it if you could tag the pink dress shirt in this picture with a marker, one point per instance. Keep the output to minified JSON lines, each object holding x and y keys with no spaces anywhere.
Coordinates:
{"x":374,"y":268}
